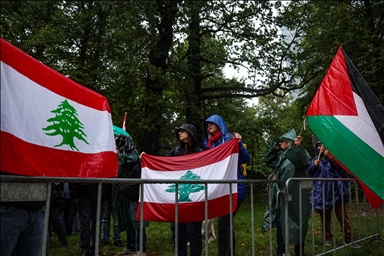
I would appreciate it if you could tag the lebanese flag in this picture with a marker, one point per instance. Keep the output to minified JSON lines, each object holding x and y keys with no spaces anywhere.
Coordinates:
{"x":51,"y":125}
{"x":219,"y":163}
{"x":348,"y":119}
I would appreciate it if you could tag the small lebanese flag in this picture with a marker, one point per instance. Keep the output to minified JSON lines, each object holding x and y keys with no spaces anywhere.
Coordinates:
{"x":51,"y":125}
{"x":219,"y":163}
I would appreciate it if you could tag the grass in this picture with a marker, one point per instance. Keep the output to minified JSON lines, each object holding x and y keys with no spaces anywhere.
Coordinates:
{"x":159,"y":241}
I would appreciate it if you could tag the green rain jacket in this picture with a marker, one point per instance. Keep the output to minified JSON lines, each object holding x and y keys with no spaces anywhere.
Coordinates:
{"x":283,"y":169}
{"x":127,"y":163}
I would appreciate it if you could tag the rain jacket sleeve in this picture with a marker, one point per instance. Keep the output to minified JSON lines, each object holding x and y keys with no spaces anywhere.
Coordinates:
{"x":271,"y":155}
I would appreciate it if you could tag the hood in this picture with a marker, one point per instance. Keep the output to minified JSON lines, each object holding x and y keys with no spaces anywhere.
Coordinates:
{"x":316,"y":149}
{"x":219,"y":121}
{"x":290,"y":135}
{"x":190,"y":128}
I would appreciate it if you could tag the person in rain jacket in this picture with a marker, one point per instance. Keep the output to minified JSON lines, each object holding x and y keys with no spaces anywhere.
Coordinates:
{"x":292,"y":162}
{"x":125,"y":196}
{"x":188,"y":144}
{"x":215,"y":134}
{"x":324,"y":166}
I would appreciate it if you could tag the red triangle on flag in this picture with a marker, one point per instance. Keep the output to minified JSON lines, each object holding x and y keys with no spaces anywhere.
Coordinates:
{"x":334,"y":96}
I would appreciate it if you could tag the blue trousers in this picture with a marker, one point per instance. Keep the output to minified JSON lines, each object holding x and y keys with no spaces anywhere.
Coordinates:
{"x":87,"y":213}
{"x":107,"y":209}
{"x":22,"y":231}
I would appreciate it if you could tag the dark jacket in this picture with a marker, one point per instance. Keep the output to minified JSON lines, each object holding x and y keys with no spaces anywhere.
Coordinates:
{"x":244,"y":156}
{"x":126,"y":195}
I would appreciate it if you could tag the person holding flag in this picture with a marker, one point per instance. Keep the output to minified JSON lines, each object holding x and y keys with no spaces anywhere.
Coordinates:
{"x":291,"y":162}
{"x":186,"y":135}
{"x":215,"y":134}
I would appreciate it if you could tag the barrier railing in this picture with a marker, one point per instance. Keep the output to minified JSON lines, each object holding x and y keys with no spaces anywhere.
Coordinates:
{"x":21,"y":188}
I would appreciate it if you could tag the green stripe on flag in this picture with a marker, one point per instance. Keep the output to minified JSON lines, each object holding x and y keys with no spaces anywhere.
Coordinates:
{"x":363,"y":161}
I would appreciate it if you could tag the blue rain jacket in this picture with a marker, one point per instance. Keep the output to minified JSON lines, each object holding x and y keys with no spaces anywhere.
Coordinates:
{"x":244,"y":156}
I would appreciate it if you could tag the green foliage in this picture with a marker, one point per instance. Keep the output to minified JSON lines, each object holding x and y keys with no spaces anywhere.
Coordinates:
{"x":323,"y":26}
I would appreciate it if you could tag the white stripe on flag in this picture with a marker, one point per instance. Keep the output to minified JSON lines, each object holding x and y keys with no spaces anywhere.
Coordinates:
{"x":222,"y":170}
{"x":25,"y":103}
{"x":362,"y":125}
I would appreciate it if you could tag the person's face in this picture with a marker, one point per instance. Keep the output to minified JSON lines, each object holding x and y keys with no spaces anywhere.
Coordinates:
{"x":321,"y":148}
{"x":284,"y":145}
{"x":212,"y":128}
{"x":326,"y":152}
{"x":184,"y":136}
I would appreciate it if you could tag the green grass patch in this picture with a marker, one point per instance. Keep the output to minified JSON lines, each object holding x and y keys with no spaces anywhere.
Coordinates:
{"x":159,"y":238}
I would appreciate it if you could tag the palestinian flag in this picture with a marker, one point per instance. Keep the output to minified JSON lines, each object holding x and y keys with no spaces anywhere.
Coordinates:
{"x":349,"y":119}
{"x":159,"y":202}
{"x":51,"y":125}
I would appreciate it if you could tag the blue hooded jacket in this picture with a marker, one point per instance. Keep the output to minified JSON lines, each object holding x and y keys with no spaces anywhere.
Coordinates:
{"x":244,"y":156}
{"x":324,"y":170}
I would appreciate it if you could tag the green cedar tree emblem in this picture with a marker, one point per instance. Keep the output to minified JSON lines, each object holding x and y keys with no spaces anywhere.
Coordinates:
{"x":66,"y":124}
{"x":187,"y":188}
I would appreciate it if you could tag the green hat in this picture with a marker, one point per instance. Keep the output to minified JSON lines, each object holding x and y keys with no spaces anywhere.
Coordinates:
{"x":291,"y":135}
{"x":120,"y":131}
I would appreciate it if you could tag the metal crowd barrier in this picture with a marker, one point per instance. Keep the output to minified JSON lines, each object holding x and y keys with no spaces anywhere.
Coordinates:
{"x":22,"y":188}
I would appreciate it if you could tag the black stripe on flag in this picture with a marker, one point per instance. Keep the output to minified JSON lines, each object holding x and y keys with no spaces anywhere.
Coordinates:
{"x":371,"y":102}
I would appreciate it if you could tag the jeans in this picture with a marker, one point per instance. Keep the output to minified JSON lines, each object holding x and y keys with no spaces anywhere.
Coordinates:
{"x":224,"y":232}
{"x":133,"y":235}
{"x":22,"y":231}
{"x":106,"y":222}
{"x":87,"y":212}
{"x":188,"y":231}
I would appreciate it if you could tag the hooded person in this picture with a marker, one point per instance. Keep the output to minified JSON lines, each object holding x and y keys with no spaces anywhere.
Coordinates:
{"x":215,"y":134}
{"x":334,"y":193}
{"x":188,"y":143}
{"x":321,"y":167}
{"x":186,"y":136}
{"x":125,"y":196}
{"x":291,"y":162}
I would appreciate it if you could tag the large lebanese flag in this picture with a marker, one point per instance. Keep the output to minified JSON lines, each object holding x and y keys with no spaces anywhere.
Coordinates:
{"x":51,"y":125}
{"x":219,"y":163}
{"x":349,"y":119}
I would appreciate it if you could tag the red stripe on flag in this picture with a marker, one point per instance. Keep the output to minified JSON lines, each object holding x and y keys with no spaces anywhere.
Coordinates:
{"x":51,"y":79}
{"x":191,"y":161}
{"x":334,"y":96}
{"x":188,"y":212}
{"x":20,"y":157}
{"x":371,"y":196}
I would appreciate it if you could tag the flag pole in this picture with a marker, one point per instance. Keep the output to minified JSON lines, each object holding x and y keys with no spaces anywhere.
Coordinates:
{"x":321,"y":148}
{"x":125,"y":119}
{"x":302,"y":127}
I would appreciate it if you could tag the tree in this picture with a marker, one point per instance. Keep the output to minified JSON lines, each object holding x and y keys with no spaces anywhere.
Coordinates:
{"x":323,"y":26}
{"x":185,"y":189}
{"x":67,"y":124}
